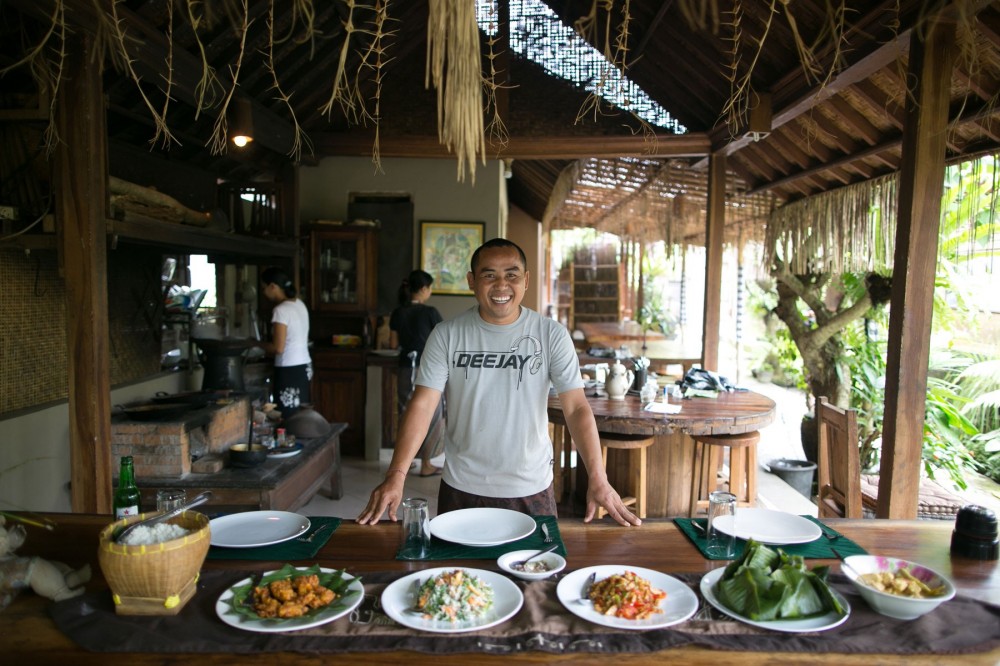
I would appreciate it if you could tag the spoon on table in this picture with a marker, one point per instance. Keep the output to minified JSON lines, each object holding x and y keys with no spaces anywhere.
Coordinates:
{"x":119,"y":534}
{"x":844,"y":564}
{"x":520,"y":564}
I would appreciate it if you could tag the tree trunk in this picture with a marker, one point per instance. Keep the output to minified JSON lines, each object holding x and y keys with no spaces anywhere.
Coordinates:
{"x":819,"y":345}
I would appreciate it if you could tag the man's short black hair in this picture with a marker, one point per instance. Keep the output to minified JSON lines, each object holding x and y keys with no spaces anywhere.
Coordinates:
{"x":497,"y":242}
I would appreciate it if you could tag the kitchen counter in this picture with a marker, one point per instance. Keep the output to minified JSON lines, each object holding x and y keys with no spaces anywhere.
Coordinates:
{"x":282,"y":484}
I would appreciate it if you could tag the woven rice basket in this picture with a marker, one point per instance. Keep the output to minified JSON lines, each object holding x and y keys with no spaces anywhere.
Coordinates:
{"x":156,"y":579}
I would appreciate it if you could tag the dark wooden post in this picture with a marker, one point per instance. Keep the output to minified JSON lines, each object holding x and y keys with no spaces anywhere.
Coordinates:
{"x":714,"y":227}
{"x":80,"y":192}
{"x":921,"y":181}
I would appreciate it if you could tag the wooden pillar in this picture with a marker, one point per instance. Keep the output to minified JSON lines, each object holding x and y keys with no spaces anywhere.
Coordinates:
{"x":921,"y":181}
{"x":80,"y":185}
{"x":288,"y":183}
{"x":714,"y":225}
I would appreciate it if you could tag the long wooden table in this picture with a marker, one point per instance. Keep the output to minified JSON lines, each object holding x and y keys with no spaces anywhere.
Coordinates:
{"x":28,"y":635}
{"x":671,"y":458}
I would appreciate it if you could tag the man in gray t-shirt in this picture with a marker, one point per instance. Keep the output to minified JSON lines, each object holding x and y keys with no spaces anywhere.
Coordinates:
{"x":496,"y":362}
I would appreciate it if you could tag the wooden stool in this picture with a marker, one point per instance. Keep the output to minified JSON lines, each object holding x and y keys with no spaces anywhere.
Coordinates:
{"x":641,"y":442}
{"x":708,"y":450}
{"x":562,"y":461}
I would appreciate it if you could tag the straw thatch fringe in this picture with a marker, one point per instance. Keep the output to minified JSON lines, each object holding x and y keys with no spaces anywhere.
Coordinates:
{"x":649,"y":200}
{"x":454,"y":69}
{"x":850,"y":229}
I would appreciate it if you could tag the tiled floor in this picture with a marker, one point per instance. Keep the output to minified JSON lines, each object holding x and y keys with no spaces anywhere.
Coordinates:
{"x":361,"y":477}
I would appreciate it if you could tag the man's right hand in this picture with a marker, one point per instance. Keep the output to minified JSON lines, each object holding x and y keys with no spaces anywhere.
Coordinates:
{"x":387,"y":495}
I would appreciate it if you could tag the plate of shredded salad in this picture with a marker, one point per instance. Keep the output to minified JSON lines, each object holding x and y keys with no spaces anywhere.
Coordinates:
{"x":452,"y":600}
{"x":625,"y":597}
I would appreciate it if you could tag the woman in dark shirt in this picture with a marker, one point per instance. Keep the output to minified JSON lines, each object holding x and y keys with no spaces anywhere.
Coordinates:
{"x":409,"y":326}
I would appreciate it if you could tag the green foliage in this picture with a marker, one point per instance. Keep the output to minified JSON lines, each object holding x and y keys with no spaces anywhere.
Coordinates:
{"x":866,"y":360}
{"x":985,"y":449}
{"x":946,"y":430}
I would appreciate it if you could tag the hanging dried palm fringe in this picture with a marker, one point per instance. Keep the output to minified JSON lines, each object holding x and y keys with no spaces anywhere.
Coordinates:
{"x":453,"y":67}
{"x":851,"y":229}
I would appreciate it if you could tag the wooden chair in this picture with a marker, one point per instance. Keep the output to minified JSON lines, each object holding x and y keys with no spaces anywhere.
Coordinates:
{"x":839,"y":464}
{"x":708,"y":452}
{"x":641,"y":442}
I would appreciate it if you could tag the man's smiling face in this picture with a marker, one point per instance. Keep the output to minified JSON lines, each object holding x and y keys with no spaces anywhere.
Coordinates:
{"x":499,"y":283}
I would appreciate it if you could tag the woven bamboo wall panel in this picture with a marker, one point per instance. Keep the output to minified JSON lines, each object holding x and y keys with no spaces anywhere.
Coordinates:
{"x":33,"y":356}
{"x":33,"y":334}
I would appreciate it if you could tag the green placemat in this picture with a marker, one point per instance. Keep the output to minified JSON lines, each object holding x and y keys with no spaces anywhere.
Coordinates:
{"x":304,"y":547}
{"x":446,"y":550}
{"x":817,"y":550}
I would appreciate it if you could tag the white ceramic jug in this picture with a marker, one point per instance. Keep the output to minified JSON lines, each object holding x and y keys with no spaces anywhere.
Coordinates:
{"x":618,"y":382}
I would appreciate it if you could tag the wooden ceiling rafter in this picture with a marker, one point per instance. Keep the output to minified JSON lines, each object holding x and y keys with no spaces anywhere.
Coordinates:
{"x":880,"y":102}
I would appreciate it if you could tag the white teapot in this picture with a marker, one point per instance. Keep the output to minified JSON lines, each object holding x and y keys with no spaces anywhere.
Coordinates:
{"x":618,"y":382}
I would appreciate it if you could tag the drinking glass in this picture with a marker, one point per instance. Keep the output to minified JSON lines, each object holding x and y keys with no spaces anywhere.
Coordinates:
{"x":169,"y":499}
{"x":720,"y":544}
{"x":416,"y":537}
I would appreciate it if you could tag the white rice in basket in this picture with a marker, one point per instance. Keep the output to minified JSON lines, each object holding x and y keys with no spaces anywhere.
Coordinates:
{"x":144,"y":535}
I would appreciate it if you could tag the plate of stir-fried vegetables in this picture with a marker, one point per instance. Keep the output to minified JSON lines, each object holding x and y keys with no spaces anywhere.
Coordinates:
{"x":626,"y":597}
{"x":452,"y":600}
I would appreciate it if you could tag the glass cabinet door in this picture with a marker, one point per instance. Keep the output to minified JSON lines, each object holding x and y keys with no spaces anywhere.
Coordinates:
{"x":336,"y":260}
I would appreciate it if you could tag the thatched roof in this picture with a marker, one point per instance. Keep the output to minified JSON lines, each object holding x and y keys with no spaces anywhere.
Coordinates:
{"x":832,"y":77}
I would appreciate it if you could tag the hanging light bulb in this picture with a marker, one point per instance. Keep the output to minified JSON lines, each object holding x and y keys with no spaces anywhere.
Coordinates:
{"x":241,"y":122}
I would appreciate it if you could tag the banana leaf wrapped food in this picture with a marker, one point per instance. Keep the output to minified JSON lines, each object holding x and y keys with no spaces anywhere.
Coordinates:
{"x":768,"y":584}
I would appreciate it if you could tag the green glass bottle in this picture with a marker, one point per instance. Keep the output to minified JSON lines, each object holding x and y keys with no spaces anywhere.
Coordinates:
{"x":126,"y":501}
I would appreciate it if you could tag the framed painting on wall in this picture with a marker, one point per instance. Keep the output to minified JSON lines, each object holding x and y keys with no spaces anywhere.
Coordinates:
{"x":445,"y":252}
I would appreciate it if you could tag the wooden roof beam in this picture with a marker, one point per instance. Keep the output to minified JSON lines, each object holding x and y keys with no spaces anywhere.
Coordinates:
{"x":359,"y":143}
{"x":881,"y":101}
{"x":650,"y":31}
{"x":860,"y":125}
{"x":862,"y":69}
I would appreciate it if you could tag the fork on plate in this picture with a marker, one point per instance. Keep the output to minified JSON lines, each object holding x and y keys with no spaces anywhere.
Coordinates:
{"x":309,"y":539}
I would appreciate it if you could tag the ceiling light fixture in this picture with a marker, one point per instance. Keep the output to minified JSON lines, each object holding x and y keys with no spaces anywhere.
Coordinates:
{"x":241,"y":122}
{"x":759,"y":126}
{"x":508,"y":168}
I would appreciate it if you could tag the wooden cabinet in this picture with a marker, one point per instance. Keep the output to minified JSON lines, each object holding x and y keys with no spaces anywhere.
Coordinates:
{"x":595,"y":290}
{"x":343,"y":269}
{"x":338,"y":393}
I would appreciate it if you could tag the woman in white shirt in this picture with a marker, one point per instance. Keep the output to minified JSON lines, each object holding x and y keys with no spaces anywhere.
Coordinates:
{"x":289,"y":342}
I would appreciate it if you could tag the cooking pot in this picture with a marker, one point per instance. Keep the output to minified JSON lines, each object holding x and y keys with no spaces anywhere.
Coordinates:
{"x":164,"y":411}
{"x":223,"y":362}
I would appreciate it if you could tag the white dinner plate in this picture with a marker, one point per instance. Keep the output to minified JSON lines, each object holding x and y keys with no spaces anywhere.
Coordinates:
{"x":337,"y":609}
{"x":482,"y":527}
{"x":819,"y":623}
{"x":256,"y":528}
{"x":767,"y":526}
{"x":402,"y":594}
{"x":681,"y":602}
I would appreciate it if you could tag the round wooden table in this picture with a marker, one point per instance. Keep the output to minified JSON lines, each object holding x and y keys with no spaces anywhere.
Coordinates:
{"x":670,"y":461}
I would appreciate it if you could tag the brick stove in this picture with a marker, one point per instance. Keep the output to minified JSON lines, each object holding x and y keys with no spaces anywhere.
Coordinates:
{"x":165,"y":448}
